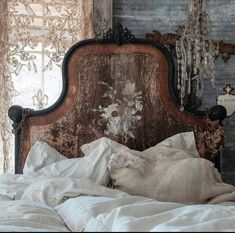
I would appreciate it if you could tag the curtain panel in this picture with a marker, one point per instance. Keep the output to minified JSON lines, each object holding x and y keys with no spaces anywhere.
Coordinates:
{"x":6,"y":87}
{"x":35,"y":35}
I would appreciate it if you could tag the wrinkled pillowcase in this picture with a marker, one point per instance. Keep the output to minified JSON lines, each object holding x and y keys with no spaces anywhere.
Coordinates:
{"x":94,"y":166}
{"x":45,"y":160}
{"x":187,"y":181}
{"x":179,"y":146}
{"x":40,"y":155}
{"x":182,"y":141}
{"x":89,"y":148}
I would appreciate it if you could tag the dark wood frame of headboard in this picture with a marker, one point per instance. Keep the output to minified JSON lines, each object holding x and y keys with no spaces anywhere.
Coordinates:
{"x":23,"y":118}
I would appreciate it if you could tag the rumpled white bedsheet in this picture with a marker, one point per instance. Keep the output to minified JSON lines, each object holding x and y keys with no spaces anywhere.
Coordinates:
{"x":27,"y":203}
{"x":54,"y":202}
{"x":18,"y":215}
{"x":139,"y":214}
{"x":73,"y":204}
{"x":27,"y":216}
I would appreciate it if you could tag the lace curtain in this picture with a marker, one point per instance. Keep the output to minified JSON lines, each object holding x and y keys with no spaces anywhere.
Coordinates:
{"x":35,"y":35}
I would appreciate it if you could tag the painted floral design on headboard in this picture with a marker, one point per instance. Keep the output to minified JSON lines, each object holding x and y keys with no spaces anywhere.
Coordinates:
{"x":122,"y":116}
{"x":117,"y":96}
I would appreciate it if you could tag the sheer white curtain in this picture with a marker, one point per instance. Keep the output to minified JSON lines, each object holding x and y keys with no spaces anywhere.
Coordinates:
{"x":35,"y":35}
{"x":6,"y":87}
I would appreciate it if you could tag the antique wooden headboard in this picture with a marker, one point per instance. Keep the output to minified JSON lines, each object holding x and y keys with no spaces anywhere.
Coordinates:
{"x":119,"y":87}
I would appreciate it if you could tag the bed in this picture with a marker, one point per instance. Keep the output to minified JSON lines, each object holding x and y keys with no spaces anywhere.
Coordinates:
{"x":115,"y":152}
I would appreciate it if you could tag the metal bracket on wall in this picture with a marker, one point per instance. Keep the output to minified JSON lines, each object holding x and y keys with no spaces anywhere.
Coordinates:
{"x":227,"y":100}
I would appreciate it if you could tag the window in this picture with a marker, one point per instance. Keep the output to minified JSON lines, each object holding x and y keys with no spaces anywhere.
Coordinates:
{"x":40,"y":33}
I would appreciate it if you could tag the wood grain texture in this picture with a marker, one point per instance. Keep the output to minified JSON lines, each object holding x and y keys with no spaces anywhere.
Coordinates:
{"x":166,"y":16}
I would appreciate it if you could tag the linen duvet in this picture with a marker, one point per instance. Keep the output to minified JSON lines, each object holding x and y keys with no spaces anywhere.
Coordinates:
{"x":89,"y":193}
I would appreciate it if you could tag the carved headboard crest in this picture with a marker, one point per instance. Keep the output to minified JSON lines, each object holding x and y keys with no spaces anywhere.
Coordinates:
{"x":119,"y":35}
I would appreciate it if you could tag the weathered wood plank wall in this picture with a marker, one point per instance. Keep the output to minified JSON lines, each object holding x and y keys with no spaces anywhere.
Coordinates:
{"x":142,"y":16}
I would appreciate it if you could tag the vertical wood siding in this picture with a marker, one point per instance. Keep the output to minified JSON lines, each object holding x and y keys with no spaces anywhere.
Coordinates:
{"x":142,"y":16}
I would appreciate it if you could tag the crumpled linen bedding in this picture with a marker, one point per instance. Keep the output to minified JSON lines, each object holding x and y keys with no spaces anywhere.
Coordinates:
{"x":54,"y":195}
{"x":72,"y":204}
{"x":26,"y":216}
{"x":139,"y":214}
{"x":27,"y":203}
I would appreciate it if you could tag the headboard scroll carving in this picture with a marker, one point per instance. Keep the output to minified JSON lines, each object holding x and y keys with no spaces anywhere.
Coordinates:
{"x":119,"y":35}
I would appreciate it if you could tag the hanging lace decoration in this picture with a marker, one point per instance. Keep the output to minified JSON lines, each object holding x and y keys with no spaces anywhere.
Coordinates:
{"x":196,"y":52}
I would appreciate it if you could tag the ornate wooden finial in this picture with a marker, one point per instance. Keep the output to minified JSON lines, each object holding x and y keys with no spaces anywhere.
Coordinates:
{"x":119,"y":35}
{"x":18,"y":115}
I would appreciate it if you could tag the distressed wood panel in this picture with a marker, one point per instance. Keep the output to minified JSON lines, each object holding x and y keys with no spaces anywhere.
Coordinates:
{"x":116,"y":91}
{"x":142,"y":17}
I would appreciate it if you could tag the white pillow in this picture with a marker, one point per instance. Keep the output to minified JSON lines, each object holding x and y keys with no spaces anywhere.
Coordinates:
{"x":187,"y":181}
{"x":88,"y":148}
{"x":40,"y":155}
{"x":182,"y":141}
{"x":174,"y":145}
{"x":170,"y":171}
{"x":94,"y":166}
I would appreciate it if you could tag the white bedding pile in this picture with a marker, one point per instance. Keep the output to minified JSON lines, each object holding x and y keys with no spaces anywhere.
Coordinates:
{"x":29,"y":216}
{"x":139,"y":214}
{"x":27,"y":203}
{"x":60,"y":194}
